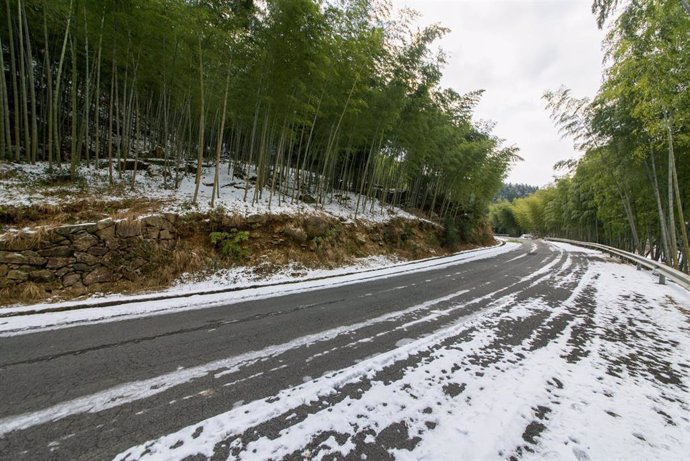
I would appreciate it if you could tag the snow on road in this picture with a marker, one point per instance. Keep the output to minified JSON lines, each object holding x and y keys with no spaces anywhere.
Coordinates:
{"x":574,"y":248}
{"x":603,"y":375}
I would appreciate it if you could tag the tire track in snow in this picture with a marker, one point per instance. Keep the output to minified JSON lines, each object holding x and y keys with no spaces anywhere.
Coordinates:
{"x":286,"y":427}
{"x":129,"y":392}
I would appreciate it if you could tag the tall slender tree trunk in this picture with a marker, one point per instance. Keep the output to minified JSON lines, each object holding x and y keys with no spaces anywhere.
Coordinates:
{"x":309,"y":142}
{"x":335,"y":136}
{"x":97,"y":96}
{"x":660,"y":209}
{"x":137,"y":140}
{"x":121,"y":117}
{"x":22,"y":81}
{"x":86,"y":140}
{"x":4,"y":109}
{"x":671,"y":216}
{"x":118,"y":131}
{"x":49,"y":87}
{"x":15,"y":87}
{"x":219,"y":143}
{"x":111,"y":110}
{"x":679,"y":203}
{"x":75,"y":112}
{"x":251,"y":148}
{"x":200,"y":157}
{"x":262,"y":158}
{"x":32,"y":91}
{"x":277,"y":164}
{"x":627,"y":206}
{"x":296,"y":172}
{"x":58,"y":81}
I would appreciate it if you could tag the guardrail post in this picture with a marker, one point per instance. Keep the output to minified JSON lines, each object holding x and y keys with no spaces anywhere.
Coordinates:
{"x":662,"y":279}
{"x":639,"y":266}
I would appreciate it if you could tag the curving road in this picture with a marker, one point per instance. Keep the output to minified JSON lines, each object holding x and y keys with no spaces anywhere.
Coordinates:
{"x":469,"y":359}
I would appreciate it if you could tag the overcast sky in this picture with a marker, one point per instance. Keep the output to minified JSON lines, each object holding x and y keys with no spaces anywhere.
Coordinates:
{"x":515,"y":50}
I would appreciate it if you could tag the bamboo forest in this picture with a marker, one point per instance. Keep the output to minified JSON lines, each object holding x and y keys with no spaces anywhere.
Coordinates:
{"x":631,"y":188}
{"x":306,"y":97}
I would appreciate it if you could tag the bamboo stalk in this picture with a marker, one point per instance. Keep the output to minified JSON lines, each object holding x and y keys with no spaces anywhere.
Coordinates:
{"x":219,"y":144}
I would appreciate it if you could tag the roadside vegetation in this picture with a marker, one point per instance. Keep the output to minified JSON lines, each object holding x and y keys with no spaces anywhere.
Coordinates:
{"x":631,"y":188}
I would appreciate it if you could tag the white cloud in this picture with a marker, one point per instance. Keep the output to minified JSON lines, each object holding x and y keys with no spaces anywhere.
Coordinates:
{"x":515,"y":50}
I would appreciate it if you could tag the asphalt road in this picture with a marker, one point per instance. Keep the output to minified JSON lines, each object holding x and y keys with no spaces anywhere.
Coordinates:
{"x":91,"y":392}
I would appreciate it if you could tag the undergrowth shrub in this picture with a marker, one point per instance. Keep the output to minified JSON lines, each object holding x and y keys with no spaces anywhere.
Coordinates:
{"x":230,"y":243}
{"x":451,"y":235}
{"x":407,"y":232}
{"x":59,"y":177}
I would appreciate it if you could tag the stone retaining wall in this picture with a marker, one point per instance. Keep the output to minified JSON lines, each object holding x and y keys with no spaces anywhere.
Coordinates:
{"x":81,"y":256}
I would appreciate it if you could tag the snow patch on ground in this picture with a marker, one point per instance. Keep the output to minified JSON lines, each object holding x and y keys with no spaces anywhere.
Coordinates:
{"x":239,"y":277}
{"x":26,"y":191}
{"x":576,"y":249}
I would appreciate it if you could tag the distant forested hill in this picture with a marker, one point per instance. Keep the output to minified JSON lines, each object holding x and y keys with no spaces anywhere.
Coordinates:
{"x":510,"y":191}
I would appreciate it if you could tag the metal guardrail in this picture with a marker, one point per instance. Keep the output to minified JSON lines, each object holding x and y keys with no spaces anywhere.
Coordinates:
{"x":663,"y":270}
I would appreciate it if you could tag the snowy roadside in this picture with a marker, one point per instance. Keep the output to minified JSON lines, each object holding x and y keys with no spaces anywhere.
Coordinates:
{"x":283,"y":282}
{"x":53,"y":203}
{"x":236,"y":278}
{"x":605,"y":376}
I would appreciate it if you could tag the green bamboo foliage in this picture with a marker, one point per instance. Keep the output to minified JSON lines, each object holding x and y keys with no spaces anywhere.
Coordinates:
{"x":631,"y":187}
{"x":303,"y":97}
